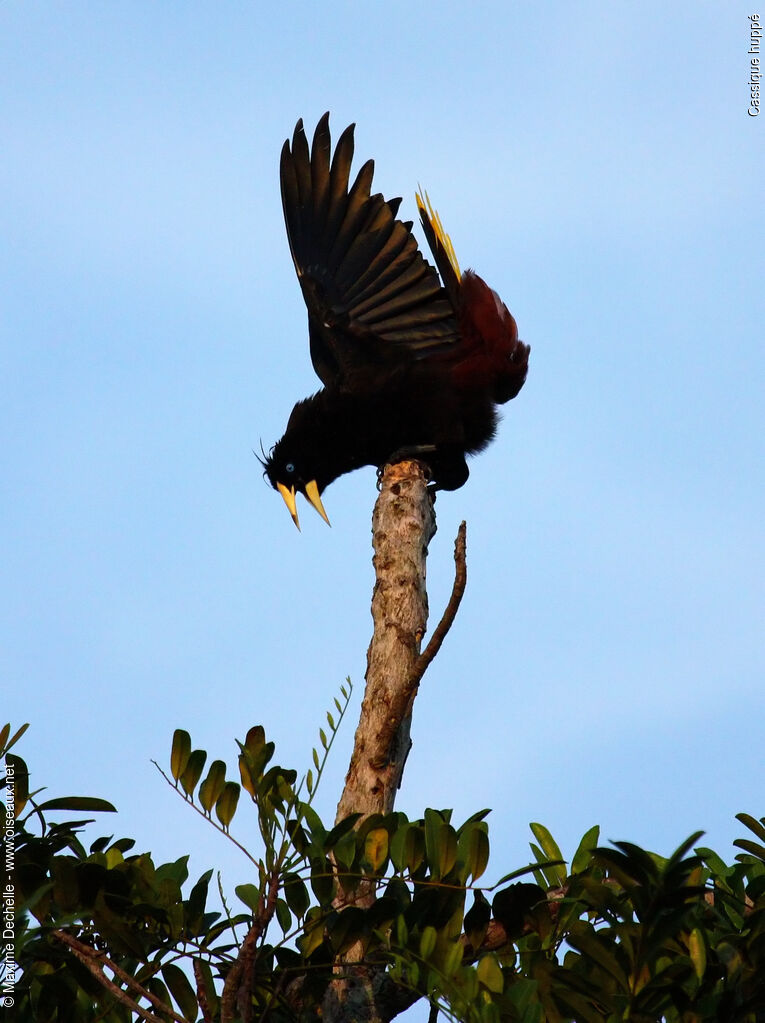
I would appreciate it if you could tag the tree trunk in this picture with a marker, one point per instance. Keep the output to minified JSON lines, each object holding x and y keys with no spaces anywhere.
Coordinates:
{"x":403,"y":525}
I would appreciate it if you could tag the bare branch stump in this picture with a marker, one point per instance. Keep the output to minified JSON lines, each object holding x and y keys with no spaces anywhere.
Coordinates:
{"x":403,"y":525}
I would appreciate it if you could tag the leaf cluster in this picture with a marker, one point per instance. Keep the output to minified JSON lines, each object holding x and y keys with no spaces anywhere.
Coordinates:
{"x":616,"y":933}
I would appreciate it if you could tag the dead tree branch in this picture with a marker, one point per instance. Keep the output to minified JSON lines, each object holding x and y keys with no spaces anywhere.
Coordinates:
{"x":95,"y":961}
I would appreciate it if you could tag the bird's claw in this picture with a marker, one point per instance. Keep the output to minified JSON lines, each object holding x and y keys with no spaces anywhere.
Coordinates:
{"x":414,"y":454}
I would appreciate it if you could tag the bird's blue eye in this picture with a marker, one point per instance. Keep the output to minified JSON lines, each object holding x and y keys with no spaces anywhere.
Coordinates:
{"x":290,"y":467}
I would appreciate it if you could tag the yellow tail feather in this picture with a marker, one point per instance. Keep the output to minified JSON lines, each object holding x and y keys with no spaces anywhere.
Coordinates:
{"x":438,"y":227}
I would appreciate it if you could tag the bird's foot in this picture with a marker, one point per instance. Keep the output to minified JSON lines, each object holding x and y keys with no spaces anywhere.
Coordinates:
{"x":416,"y":452}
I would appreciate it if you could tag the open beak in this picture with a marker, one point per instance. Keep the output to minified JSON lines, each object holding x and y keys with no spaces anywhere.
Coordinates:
{"x":289,"y":500}
{"x":312,"y":493}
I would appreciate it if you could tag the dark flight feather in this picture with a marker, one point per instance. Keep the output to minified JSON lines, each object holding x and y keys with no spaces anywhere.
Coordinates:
{"x":412,"y":364}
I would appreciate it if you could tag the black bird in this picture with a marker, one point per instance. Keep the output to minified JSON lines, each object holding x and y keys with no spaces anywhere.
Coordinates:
{"x":411,"y":367}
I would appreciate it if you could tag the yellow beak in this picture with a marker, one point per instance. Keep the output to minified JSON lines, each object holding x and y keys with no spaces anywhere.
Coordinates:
{"x":312,"y":493}
{"x":289,"y":500}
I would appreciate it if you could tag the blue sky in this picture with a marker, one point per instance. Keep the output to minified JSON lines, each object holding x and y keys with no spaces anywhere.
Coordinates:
{"x":595,"y":164}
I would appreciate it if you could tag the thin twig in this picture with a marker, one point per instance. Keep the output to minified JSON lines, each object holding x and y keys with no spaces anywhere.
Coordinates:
{"x":95,"y":961}
{"x":450,"y":611}
{"x":190,"y":802}
{"x":401,"y":703}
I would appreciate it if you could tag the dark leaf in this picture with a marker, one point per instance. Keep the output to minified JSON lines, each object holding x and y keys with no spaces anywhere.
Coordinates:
{"x":283,"y":915}
{"x":86,"y":804}
{"x":296,"y":894}
{"x":225,"y":808}
{"x":181,"y":990}
{"x":5,"y":743}
{"x":212,"y":786}
{"x":193,"y":771}
{"x":477,"y":920}
{"x":511,"y":905}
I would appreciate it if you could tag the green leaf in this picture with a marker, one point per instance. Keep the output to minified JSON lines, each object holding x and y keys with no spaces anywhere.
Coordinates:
{"x":345,"y":850}
{"x":474,"y":818}
{"x":376,"y":848}
{"x":346,"y":928}
{"x":490,"y":1014}
{"x":323,"y":737}
{"x":697,"y":950}
{"x":755,"y":826}
{"x":428,"y":940}
{"x":180,"y":753}
{"x":255,"y":739}
{"x":751,"y":847}
{"x":551,"y":852}
{"x":254,"y":754}
{"x":5,"y":743}
{"x":197,"y":901}
{"x":473,"y":851}
{"x":584,"y":939}
{"x":322,"y":880}
{"x":718,"y":866}
{"x":212,"y":786}
{"x":396,"y":847}
{"x":249,"y":894}
{"x":158,"y":989}
{"x":331,"y":722}
{"x":181,"y":990}
{"x":453,"y":959}
{"x":582,"y":856}
{"x":225,"y":808}
{"x":313,"y":935}
{"x":247,"y":775}
{"x":283,"y":915}
{"x":490,"y":974}
{"x":341,"y":829}
{"x":177,"y":871}
{"x":313,"y":821}
{"x":440,"y":845}
{"x":193,"y":771}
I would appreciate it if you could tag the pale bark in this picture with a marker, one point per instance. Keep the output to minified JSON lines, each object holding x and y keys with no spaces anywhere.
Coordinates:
{"x":403,"y":525}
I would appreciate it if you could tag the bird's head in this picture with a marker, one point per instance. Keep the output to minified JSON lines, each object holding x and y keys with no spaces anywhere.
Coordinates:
{"x":288,"y":472}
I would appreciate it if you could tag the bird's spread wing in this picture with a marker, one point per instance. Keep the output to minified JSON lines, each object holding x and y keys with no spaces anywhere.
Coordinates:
{"x":371,"y":296}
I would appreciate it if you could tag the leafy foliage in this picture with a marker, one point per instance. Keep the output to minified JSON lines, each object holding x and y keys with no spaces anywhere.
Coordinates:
{"x":618,"y":934}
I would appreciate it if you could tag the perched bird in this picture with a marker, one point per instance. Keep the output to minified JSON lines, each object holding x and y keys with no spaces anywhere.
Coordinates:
{"x":413,"y":366}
